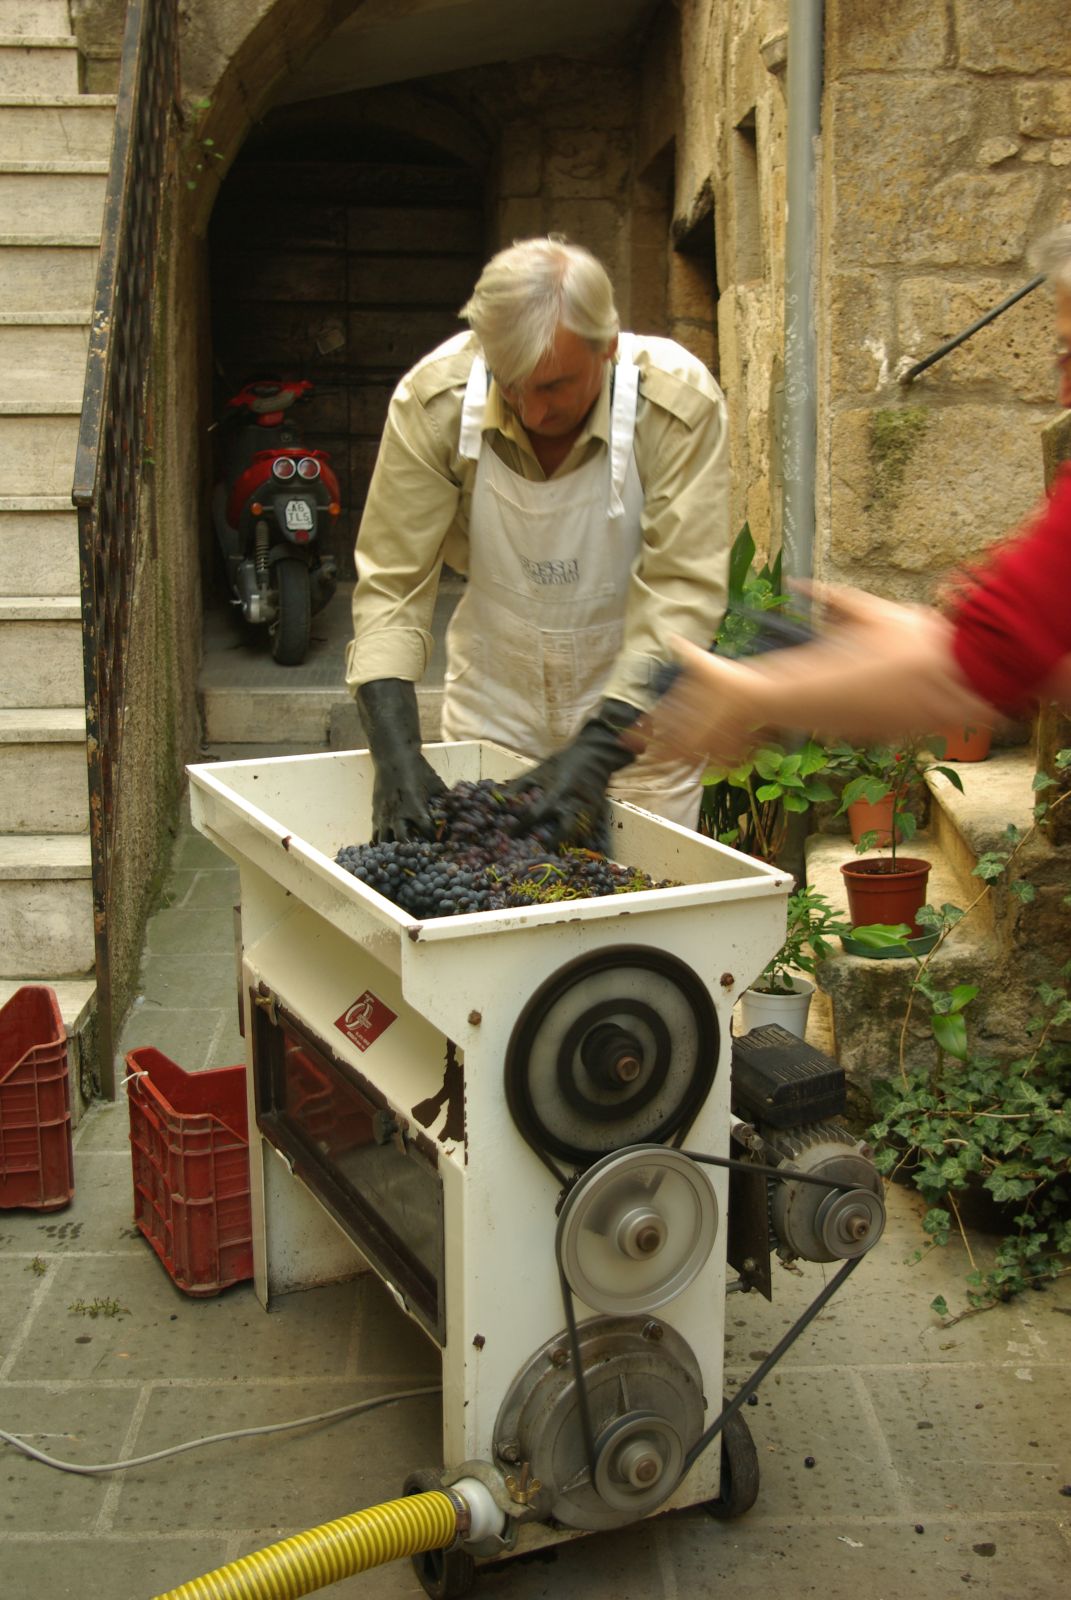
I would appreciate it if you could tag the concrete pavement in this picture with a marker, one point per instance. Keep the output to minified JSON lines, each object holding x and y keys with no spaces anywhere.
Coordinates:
{"x":940,"y":1454}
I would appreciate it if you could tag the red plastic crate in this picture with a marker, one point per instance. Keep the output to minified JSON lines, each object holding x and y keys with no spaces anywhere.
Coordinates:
{"x":36,"y":1163}
{"x":189,"y":1141}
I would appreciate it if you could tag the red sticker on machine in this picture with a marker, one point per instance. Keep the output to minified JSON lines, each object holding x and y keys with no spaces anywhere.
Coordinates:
{"x":365,"y":1019}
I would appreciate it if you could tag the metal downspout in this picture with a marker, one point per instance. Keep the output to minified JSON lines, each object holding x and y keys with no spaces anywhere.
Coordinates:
{"x":800,"y":435}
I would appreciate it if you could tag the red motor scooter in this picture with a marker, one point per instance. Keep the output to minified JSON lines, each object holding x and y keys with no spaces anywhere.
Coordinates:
{"x":269,"y":509}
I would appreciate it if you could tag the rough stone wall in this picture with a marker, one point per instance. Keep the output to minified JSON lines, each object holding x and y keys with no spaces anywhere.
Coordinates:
{"x":161,"y":726}
{"x":946,"y":146}
{"x":730,"y":144}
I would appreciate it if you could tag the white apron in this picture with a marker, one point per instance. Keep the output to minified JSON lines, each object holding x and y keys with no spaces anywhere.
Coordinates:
{"x":536,"y":633}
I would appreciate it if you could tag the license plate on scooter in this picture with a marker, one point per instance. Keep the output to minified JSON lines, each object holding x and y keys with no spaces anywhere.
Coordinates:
{"x":297,"y":515}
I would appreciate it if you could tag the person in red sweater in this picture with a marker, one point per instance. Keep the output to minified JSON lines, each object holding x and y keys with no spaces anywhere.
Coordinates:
{"x":879,"y":669}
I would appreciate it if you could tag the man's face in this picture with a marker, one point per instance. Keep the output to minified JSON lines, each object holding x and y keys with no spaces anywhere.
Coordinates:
{"x":557,"y":396}
{"x":1063,"y":343}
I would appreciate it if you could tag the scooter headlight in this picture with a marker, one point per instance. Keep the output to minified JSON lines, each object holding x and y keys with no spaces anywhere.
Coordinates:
{"x":283,"y":467}
{"x":309,"y":467}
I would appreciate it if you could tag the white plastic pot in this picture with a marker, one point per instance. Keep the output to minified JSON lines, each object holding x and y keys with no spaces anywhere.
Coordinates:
{"x":758,"y":1010}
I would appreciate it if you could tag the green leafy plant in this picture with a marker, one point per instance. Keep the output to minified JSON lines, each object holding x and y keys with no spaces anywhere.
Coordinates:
{"x":968,"y":1122}
{"x":748,"y":806}
{"x":812,"y":923}
{"x":878,"y":771}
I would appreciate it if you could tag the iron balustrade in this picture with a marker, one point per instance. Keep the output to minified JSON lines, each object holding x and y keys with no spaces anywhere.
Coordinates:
{"x":109,"y":461}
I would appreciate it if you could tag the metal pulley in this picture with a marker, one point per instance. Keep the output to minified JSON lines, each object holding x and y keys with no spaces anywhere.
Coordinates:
{"x":636,"y":1229}
{"x":833,"y":1224}
{"x":616,"y":1048}
{"x":645,"y":1394}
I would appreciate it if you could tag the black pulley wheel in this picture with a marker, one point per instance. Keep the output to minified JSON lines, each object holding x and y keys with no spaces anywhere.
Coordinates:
{"x":442,"y":1574}
{"x":739,"y":1472}
{"x":616,"y":1048}
{"x":291,"y":629}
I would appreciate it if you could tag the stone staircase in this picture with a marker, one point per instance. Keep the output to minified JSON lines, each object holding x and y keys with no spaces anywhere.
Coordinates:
{"x":54,"y":151}
{"x":865,"y":1000}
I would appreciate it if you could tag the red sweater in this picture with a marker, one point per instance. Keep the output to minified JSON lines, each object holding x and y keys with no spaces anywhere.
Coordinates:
{"x":1013,"y":623}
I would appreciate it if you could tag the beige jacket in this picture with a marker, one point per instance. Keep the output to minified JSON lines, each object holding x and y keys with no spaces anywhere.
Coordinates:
{"x":416,"y":515}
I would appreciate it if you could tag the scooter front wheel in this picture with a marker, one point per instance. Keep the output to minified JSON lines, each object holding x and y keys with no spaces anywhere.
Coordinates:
{"x":290,"y":631}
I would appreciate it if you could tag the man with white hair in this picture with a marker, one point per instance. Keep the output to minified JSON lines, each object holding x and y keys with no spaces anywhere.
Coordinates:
{"x":578,"y":476}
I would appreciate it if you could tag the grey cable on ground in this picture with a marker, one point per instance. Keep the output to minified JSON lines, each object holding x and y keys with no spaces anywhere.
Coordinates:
{"x":89,"y":1471}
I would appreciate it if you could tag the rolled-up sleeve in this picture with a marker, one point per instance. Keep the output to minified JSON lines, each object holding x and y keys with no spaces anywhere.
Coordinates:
{"x":412,"y":505}
{"x":680,"y":581}
{"x":1012,"y":627}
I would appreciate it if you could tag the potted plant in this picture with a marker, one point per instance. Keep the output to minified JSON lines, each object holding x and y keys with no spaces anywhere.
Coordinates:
{"x":781,"y":993}
{"x":890,"y":889}
{"x":748,"y":807}
{"x":968,"y":743}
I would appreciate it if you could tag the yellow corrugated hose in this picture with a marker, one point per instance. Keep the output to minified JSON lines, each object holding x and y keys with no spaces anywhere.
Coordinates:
{"x":311,"y":1560}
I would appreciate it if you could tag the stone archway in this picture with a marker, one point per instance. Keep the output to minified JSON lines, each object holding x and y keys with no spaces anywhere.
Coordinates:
{"x":341,"y":247}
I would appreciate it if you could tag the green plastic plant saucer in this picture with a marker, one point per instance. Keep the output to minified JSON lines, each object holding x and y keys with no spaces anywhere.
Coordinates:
{"x":911,"y":947}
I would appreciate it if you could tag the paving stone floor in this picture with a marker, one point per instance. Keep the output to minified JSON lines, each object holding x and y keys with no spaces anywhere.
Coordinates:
{"x":939,"y":1453}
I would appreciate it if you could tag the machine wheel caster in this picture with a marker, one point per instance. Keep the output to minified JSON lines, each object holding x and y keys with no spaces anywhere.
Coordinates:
{"x":739,"y":1472}
{"x":442,"y":1574}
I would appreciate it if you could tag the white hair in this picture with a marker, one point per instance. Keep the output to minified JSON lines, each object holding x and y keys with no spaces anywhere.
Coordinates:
{"x":529,"y":291}
{"x":1052,"y":256}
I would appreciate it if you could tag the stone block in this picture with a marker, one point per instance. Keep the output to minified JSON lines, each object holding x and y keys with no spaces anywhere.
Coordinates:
{"x":47,"y":205}
{"x":38,"y":70}
{"x":1013,"y":36}
{"x":888,"y":152}
{"x":690,"y":284}
{"x":1013,"y":354}
{"x":863,"y":37}
{"x":1044,"y":109}
{"x":599,"y":225}
{"x":43,"y":788}
{"x":578,"y":165}
{"x":40,"y":661}
{"x":991,"y":152}
{"x":860,"y":332}
{"x":519,"y":219}
{"x":52,"y":536}
{"x":46,"y":926}
{"x":520,"y":160}
{"x":1060,"y":153}
{"x":40,"y":278}
{"x":919,"y":489}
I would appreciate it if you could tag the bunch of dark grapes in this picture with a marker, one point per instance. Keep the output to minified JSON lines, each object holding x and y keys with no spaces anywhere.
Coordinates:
{"x":479,"y":861}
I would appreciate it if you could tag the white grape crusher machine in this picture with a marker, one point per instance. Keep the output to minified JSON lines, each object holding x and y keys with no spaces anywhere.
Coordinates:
{"x":535,"y":1126}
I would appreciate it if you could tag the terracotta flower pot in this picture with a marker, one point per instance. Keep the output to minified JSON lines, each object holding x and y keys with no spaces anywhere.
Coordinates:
{"x":878,"y":893}
{"x":866,"y":816}
{"x":970,"y":743}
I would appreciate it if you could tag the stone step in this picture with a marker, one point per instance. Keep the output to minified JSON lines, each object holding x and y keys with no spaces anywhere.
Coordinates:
{"x":48,"y":278}
{"x":38,"y":548}
{"x":60,"y":128}
{"x":46,"y":202}
{"x":46,"y":906}
{"x":75,"y":997}
{"x":33,"y":63}
{"x":43,"y":771}
{"x":40,"y":652}
{"x":37,"y":455}
{"x":868,"y":999}
{"x":997,"y":793}
{"x":45,"y":361}
{"x":41,"y":18}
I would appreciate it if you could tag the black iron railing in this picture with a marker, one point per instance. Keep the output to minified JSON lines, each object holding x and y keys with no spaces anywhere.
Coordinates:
{"x":109,"y":461}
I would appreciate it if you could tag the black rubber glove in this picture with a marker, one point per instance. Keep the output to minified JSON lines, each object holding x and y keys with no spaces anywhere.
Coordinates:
{"x":405,"y":781}
{"x":573,"y":781}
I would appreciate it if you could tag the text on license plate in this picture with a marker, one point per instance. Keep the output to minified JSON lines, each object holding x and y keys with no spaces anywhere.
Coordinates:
{"x":298,"y":514}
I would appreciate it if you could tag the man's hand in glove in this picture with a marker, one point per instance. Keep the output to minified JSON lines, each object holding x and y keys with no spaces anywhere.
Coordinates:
{"x":405,"y":781}
{"x":573,"y":782}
